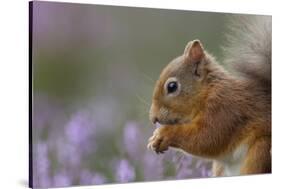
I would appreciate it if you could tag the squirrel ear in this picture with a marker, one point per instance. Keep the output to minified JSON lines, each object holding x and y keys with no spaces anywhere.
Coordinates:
{"x":193,"y":54}
{"x":194,"y":50}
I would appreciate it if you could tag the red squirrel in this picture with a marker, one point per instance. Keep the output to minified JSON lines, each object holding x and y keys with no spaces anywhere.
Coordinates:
{"x":209,"y":112}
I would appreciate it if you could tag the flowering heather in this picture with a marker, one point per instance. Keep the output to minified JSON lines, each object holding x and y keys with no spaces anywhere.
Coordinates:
{"x":72,"y":149}
{"x":131,"y":139}
{"x":125,"y":172}
{"x":153,"y":166}
{"x":61,"y":179}
{"x":41,"y":165}
{"x":88,"y":178}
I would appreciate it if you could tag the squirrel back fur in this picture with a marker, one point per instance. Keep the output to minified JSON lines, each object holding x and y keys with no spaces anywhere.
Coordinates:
{"x":248,"y":49}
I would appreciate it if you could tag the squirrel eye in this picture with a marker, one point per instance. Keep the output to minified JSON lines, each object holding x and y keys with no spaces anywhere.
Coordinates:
{"x":172,"y":86}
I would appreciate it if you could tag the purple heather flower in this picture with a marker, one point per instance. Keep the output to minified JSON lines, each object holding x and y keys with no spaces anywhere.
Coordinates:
{"x":184,"y":166}
{"x":199,"y":164}
{"x":41,"y":158}
{"x":202,"y":168}
{"x":182,"y":163}
{"x":184,"y":173}
{"x":98,"y":179}
{"x":71,"y":141}
{"x":41,"y":165}
{"x":187,"y":159}
{"x":80,"y":132}
{"x":88,"y":178}
{"x":205,"y":172}
{"x":79,"y":128}
{"x":131,"y":139}
{"x":184,"y":170}
{"x":124,"y":171}
{"x":68,"y":154}
{"x":61,"y":179}
{"x":153,"y":166}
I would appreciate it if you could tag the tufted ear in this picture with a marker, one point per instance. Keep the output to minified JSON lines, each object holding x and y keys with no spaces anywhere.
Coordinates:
{"x":194,"y":51}
{"x":194,"y":54}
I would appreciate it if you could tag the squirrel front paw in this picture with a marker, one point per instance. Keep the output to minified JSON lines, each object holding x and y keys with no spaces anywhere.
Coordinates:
{"x":160,"y":140}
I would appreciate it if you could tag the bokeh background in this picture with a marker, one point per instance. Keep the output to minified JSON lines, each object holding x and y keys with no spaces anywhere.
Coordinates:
{"x":94,"y":69}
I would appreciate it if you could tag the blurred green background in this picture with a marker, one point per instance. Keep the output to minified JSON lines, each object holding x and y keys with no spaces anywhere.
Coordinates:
{"x":83,"y":51}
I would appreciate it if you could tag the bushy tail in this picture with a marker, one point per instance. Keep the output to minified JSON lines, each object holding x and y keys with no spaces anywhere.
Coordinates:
{"x":248,"y":48}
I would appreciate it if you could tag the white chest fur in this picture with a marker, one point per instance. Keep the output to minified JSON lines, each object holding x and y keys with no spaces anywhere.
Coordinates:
{"x":232,"y":163}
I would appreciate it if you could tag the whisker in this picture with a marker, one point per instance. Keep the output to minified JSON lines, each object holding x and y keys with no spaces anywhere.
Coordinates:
{"x":148,"y":77}
{"x":142,"y":100}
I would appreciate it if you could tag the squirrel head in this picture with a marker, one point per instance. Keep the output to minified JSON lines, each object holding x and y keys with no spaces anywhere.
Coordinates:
{"x":176,"y":92}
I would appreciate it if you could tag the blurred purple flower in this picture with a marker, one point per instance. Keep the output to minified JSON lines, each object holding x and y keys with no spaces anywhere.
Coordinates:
{"x":203,"y":168}
{"x":184,"y":169}
{"x":124,"y":171}
{"x":87,"y":178}
{"x":206,"y":172}
{"x":184,"y":173}
{"x":72,"y":141}
{"x":80,"y":132}
{"x":79,"y":128}
{"x":188,"y":167}
{"x":98,"y":179}
{"x":131,"y":139}
{"x":41,"y":165}
{"x":199,"y":163}
{"x":61,"y":179}
{"x":153,"y":166}
{"x":41,"y":158}
{"x":67,"y":154}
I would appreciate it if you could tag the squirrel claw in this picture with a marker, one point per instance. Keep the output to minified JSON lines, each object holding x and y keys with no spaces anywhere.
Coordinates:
{"x":158,"y":143}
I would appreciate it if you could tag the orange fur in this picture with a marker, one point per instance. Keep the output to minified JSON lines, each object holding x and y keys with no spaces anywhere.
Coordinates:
{"x":213,"y":114}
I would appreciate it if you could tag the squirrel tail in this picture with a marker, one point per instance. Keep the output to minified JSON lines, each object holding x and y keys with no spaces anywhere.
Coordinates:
{"x":248,"y":48}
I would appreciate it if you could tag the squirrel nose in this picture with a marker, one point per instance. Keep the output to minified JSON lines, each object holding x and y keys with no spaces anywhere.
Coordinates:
{"x":154,"y":120}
